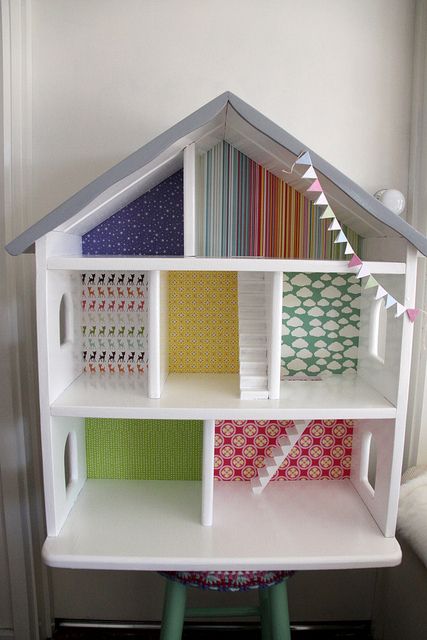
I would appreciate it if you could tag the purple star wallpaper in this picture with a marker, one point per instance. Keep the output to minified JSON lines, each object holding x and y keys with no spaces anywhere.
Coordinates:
{"x":153,"y":224}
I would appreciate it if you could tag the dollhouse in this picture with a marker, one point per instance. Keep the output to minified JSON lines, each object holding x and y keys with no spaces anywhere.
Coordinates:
{"x":224,"y":334}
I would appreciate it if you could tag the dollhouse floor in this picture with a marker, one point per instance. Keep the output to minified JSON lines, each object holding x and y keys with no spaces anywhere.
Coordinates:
{"x":151,"y":525}
{"x":216,"y":396}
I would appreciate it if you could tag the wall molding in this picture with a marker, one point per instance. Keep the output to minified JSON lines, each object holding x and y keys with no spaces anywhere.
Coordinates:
{"x":416,"y":434}
{"x":20,"y":473}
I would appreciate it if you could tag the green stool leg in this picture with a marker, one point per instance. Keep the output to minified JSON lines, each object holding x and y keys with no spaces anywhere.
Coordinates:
{"x":264,"y":608}
{"x":173,"y":611}
{"x":279,"y":612}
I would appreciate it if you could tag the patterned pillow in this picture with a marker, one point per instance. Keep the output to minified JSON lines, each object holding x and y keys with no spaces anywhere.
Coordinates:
{"x":228,"y":580}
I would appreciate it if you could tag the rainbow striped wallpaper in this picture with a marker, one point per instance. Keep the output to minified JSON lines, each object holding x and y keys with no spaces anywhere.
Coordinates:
{"x":248,"y":211}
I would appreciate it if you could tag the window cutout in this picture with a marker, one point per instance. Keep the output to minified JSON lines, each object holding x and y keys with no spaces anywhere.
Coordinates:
{"x":368,"y":462}
{"x":70,"y":460}
{"x":378,"y":330}
{"x":64,"y":321}
{"x":372,"y":464}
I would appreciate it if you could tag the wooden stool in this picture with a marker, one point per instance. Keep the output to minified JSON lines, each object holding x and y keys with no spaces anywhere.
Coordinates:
{"x":273,"y":600}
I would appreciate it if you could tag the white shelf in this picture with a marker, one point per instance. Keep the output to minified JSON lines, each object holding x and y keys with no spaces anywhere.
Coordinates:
{"x":216,"y":397}
{"x":137,"y":525}
{"x":171,"y":263}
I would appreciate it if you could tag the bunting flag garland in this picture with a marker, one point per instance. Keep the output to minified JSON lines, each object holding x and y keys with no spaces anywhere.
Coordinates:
{"x":399,"y":310}
{"x":309,"y":174}
{"x":340,"y":237}
{"x":334,"y":226}
{"x":305,"y":159}
{"x":381,"y":292}
{"x":315,"y":186}
{"x":355,"y":261}
{"x":321,"y":200}
{"x":390,"y":301}
{"x":363,"y":270}
{"x":371,"y":282}
{"x":328,"y":213}
{"x":412,"y":314}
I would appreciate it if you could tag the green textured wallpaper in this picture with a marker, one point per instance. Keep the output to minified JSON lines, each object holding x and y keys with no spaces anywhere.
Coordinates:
{"x":144,"y":449}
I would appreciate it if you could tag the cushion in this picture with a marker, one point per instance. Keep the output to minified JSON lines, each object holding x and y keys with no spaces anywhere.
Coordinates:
{"x":227,"y":580}
{"x":412,"y":516}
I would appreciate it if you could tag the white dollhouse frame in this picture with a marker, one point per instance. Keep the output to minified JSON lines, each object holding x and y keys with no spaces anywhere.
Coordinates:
{"x":157,"y":525}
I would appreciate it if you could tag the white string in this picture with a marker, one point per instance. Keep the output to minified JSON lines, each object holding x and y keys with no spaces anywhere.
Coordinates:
{"x":291,"y":170}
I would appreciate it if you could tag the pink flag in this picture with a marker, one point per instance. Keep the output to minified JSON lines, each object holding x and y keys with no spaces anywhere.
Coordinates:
{"x":355,"y":261}
{"x":412,"y":314}
{"x":315,"y":186}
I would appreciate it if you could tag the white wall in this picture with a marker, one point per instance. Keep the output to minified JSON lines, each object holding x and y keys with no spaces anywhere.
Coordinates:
{"x":416,"y":447}
{"x":108,"y":75}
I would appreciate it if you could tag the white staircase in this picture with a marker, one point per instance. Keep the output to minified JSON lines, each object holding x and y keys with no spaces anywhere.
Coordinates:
{"x":279,"y":455}
{"x":253,"y":336}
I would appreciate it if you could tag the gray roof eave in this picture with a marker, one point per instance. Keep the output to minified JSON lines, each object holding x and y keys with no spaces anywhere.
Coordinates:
{"x":124,"y":168}
{"x":185,"y":127}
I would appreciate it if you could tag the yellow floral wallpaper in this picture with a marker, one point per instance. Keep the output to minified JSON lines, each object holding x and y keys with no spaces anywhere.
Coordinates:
{"x":203,"y":322}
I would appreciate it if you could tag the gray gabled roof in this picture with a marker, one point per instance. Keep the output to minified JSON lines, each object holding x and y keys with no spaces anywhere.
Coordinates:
{"x":364,"y":205}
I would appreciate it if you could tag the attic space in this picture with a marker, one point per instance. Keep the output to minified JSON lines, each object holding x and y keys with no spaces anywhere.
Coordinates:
{"x":153,"y":224}
{"x":249,"y":211}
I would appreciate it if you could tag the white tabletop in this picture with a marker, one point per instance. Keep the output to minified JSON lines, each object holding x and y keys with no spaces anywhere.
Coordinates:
{"x":151,"y":525}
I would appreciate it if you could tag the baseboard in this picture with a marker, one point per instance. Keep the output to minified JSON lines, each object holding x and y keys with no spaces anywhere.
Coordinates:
{"x":76,"y":629}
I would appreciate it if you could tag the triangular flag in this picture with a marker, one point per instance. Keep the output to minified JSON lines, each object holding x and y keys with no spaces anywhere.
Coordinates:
{"x":363,"y":272}
{"x":321,"y":200}
{"x":390,"y":301}
{"x":355,"y":261}
{"x":304,"y":159}
{"x":340,"y":238}
{"x":348,"y":249}
{"x":371,"y":282}
{"x":399,"y":310}
{"x":316,"y":186}
{"x":328,"y":213}
{"x":412,"y":314}
{"x":334,"y":226}
{"x":309,"y":174}
{"x":380,"y":293}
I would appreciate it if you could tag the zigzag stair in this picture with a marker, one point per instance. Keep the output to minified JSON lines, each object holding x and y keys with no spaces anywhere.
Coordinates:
{"x":279,"y":455}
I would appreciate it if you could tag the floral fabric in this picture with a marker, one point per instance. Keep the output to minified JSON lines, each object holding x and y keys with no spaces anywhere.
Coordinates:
{"x":228,"y":580}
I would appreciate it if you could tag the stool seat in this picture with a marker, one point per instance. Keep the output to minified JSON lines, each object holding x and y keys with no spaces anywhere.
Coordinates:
{"x":227,"y":580}
{"x":272,"y":594}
